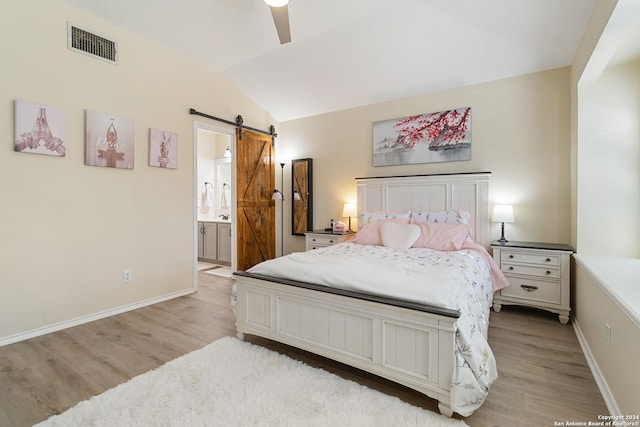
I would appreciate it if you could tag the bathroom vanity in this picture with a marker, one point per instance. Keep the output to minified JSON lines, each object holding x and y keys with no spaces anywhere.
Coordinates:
{"x":214,"y":241}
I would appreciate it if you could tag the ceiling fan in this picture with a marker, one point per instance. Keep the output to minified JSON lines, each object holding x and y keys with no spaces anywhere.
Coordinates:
{"x":280,"y":13}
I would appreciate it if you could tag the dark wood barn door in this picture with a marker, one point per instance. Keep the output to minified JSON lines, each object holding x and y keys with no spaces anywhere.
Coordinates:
{"x":256,"y":215}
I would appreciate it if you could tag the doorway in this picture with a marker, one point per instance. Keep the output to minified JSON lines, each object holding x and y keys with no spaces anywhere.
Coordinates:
{"x":214,"y":199}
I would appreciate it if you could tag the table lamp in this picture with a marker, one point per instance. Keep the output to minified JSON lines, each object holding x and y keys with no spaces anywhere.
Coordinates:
{"x":349,"y":210}
{"x":503,"y":213}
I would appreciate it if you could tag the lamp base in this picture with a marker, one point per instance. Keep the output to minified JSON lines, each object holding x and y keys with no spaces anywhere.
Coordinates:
{"x":502,"y":239}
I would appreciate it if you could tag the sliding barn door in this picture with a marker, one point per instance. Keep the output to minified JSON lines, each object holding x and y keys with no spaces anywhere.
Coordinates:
{"x":256,"y":217}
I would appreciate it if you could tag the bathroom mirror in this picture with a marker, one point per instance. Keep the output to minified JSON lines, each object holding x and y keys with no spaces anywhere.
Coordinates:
{"x":302,"y":196}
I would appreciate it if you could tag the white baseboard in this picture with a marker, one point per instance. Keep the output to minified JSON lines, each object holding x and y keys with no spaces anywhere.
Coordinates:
{"x":601,"y":382}
{"x":89,"y":318}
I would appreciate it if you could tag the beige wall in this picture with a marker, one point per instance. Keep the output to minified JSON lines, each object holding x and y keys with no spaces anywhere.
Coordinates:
{"x":580,"y":69}
{"x":609,"y":164}
{"x":69,"y":230}
{"x":617,"y":363}
{"x":605,"y":163}
{"x":520,"y":132}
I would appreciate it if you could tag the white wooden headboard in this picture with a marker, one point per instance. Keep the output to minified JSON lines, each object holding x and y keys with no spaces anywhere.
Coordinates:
{"x":425,"y":193}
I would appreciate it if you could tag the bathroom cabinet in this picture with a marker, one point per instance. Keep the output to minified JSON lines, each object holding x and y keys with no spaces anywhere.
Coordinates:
{"x":214,"y":241}
{"x":224,"y":243}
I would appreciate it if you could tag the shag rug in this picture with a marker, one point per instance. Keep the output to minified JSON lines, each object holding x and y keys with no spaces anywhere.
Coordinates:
{"x":234,"y":383}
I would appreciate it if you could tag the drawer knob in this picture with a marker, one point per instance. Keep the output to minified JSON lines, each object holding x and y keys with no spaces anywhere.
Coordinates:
{"x":510,"y":268}
{"x":313,"y":240}
{"x":529,"y":288}
{"x":548,"y":272}
{"x":548,"y":259}
{"x":330,"y":241}
{"x":511,"y":256}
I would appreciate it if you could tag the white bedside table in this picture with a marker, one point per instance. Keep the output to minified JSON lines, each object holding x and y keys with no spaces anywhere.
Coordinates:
{"x":539,"y":274}
{"x":319,"y":239}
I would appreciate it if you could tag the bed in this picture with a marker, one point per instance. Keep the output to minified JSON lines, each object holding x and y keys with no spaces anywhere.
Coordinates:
{"x":433,"y":342}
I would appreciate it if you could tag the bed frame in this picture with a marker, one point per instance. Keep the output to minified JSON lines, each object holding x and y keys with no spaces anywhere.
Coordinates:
{"x":410,"y":344}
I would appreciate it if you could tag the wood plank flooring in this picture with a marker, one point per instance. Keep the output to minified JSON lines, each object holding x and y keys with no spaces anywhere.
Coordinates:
{"x":543,"y":374}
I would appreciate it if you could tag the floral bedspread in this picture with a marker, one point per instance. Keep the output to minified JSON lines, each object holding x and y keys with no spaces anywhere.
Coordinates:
{"x":459,"y":280}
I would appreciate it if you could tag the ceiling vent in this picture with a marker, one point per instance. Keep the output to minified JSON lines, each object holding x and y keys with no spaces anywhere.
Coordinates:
{"x":84,"y":41}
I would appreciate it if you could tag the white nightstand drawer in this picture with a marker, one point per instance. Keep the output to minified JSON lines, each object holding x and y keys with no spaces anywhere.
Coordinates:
{"x":319,"y":240}
{"x":312,"y":247}
{"x":539,"y":274}
{"x":532,"y":290}
{"x":532,"y":270}
{"x":530,"y":258}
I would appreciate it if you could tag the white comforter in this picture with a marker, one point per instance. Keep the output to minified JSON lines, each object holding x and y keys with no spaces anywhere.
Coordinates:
{"x":458,"y":280}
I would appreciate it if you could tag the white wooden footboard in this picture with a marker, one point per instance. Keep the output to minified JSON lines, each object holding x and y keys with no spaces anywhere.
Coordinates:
{"x":410,"y":347}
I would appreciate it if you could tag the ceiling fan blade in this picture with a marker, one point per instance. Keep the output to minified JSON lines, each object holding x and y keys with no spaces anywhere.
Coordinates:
{"x":281,"y":19}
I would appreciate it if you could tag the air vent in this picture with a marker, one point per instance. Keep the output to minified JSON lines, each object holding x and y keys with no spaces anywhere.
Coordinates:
{"x":84,"y":41}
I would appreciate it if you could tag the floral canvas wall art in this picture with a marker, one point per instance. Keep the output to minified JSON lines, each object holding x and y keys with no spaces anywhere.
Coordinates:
{"x":163,"y":149}
{"x":436,"y":137}
{"x":39,"y":129}
{"x":109,"y":141}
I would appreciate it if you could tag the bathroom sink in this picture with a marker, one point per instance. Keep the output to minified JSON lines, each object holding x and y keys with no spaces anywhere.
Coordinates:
{"x":226,"y":221}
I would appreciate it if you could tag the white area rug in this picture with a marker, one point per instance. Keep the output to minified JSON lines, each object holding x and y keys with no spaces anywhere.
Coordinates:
{"x":233,"y":383}
{"x":220,"y":271}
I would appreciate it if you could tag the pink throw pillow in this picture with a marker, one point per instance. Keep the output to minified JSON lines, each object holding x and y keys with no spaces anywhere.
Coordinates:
{"x":369,"y":234}
{"x":441,"y":236}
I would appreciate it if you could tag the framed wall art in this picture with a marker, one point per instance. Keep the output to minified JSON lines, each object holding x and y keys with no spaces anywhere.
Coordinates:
{"x":109,"y":141}
{"x":39,"y":129}
{"x":436,"y":137}
{"x":163,"y":149}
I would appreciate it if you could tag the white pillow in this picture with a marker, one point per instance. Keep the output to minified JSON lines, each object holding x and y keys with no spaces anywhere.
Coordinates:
{"x":367,"y":217}
{"x":459,"y":216}
{"x":399,"y":236}
{"x":450,"y":217}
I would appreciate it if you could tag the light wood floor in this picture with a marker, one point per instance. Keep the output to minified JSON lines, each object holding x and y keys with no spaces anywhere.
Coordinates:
{"x":543,"y":374}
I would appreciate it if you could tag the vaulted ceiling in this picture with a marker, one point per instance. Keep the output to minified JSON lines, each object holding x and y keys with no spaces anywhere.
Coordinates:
{"x":349,"y":53}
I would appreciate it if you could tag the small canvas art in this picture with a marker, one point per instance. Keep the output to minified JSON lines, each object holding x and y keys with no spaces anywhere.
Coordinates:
{"x":109,"y":141}
{"x":437,"y":137}
{"x":39,"y":129}
{"x":163,"y":149}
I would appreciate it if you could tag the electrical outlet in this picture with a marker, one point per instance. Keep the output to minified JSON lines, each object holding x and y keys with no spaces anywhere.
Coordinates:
{"x":607,"y":334}
{"x":126,"y":276}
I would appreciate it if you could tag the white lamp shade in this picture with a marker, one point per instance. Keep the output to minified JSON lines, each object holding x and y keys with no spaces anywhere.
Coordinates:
{"x":349,"y":210}
{"x":503,"y":213}
{"x":277,"y":3}
{"x":277,"y":195}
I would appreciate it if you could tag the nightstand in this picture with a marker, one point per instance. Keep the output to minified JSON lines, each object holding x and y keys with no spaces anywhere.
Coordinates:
{"x":539,"y":274}
{"x":319,"y":238}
